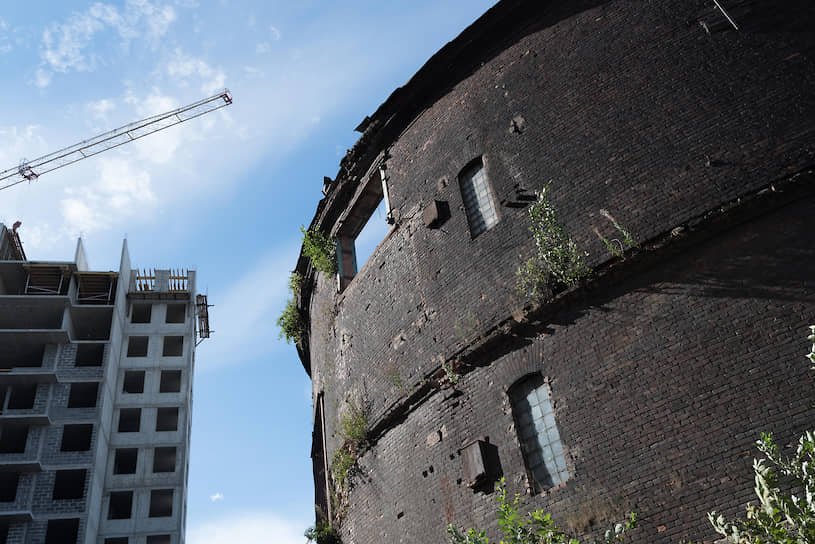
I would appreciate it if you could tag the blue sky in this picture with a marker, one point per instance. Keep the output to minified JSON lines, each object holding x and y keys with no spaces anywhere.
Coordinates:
{"x":224,"y":194}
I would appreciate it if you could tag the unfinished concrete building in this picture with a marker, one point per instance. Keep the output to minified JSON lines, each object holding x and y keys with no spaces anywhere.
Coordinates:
{"x":95,"y":400}
{"x":685,"y":126}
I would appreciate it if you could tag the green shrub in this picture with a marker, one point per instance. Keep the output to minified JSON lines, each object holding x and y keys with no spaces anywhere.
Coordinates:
{"x":322,"y":533}
{"x":292,"y":324}
{"x":558,"y":258}
{"x":321,"y":250}
{"x":354,"y":436}
{"x":534,"y":528}
{"x":780,"y":517}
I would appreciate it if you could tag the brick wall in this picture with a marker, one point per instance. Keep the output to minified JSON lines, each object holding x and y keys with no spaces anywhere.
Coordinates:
{"x":662,"y":382}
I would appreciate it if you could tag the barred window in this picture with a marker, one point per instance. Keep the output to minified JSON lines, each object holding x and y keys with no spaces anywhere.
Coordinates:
{"x":477,"y":195}
{"x":537,"y":431}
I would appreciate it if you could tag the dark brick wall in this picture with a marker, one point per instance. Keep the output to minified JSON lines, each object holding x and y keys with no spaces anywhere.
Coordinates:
{"x":660,"y":388}
{"x":662,"y":383}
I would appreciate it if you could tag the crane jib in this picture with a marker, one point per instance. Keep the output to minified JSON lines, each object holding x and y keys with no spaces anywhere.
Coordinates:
{"x":31,"y":170}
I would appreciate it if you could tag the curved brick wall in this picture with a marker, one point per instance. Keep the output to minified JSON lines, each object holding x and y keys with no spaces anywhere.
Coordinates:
{"x":662,"y":375}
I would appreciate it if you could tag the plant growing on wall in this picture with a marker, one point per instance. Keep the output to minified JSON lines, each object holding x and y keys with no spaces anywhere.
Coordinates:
{"x":558,"y":258}
{"x":616,"y":246}
{"x":291,"y":322}
{"x":354,"y":436}
{"x":534,"y":528}
{"x":321,"y":250}
{"x":322,"y":533}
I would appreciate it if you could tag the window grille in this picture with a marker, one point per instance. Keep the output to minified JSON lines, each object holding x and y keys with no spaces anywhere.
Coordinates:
{"x":538,"y":434}
{"x":477,"y":196}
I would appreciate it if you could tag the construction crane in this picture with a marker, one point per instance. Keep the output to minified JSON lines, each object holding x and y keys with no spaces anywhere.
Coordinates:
{"x":31,"y":170}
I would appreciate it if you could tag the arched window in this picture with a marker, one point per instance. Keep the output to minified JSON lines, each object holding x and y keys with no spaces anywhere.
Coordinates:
{"x":537,"y":432}
{"x":477,"y":196}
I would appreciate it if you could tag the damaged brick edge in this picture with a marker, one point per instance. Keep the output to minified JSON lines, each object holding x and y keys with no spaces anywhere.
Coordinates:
{"x":509,"y":333}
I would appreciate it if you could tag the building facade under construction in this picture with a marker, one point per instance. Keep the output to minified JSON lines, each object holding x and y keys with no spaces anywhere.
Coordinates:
{"x":96,"y":373}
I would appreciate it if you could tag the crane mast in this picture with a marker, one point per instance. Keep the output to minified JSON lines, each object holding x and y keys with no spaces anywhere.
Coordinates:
{"x":31,"y":170}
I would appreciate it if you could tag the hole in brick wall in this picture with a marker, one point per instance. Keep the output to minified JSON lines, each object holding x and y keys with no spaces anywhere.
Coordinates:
{"x":124,"y":461}
{"x":129,"y":420}
{"x":164,"y":460}
{"x":134,"y":381}
{"x":116,"y":540}
{"x":400,"y":515}
{"x":121,"y":504}
{"x":62,"y":531}
{"x":173,"y":346}
{"x":13,"y":437}
{"x":176,"y":313}
{"x":158,"y":539}
{"x":76,"y":437}
{"x":8,"y":486}
{"x":141,"y":313}
{"x":167,"y":419}
{"x":137,"y":346}
{"x":83,"y":395}
{"x":89,"y":354}
{"x":22,"y":397}
{"x":69,"y":484}
{"x":170,"y":381}
{"x":161,"y":503}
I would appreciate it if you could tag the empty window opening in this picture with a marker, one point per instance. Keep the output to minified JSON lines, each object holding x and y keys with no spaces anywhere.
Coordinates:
{"x":116,"y":540}
{"x":62,"y":531}
{"x":158,"y":539}
{"x":173,"y":346}
{"x":69,"y":484}
{"x":170,"y":381}
{"x":129,"y":420}
{"x":4,"y":526}
{"x":134,"y":382}
{"x":89,"y":354}
{"x":124,"y":461}
{"x":22,"y":397}
{"x":164,"y":460}
{"x":141,"y":313}
{"x":176,"y":313}
{"x":76,"y":437}
{"x":161,"y":503}
{"x":476,"y":193}
{"x":363,"y":228}
{"x":13,"y":437}
{"x":537,"y":432}
{"x":8,"y":486}
{"x":121,"y":504}
{"x":83,"y":395}
{"x":137,"y":346}
{"x":167,"y":419}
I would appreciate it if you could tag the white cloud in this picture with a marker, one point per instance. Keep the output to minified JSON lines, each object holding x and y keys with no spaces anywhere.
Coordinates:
{"x":216,"y":497}
{"x":263,"y":48}
{"x":254,"y":528}
{"x":251,"y":305}
{"x":42,"y":78}
{"x":252,"y":72}
{"x":64,"y":45}
{"x":184,"y":67}
{"x":120,"y":191}
{"x":275,"y":32}
{"x":100,"y":108}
